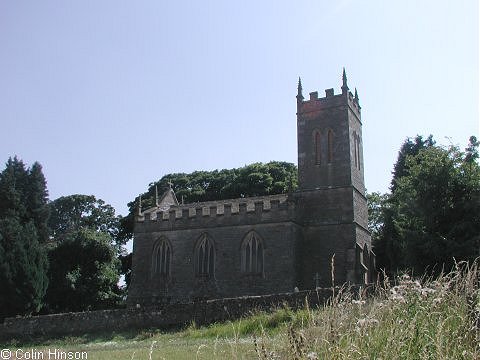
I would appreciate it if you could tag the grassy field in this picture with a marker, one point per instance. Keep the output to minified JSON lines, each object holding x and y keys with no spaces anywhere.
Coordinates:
{"x":414,"y":319}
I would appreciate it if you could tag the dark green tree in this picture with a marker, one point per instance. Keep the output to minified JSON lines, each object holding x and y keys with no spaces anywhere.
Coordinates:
{"x":23,"y":216}
{"x":410,"y":147}
{"x":13,"y":186}
{"x":387,"y":243}
{"x":73,"y":212}
{"x":84,"y":271}
{"x":376,"y":205}
{"x":432,"y":215}
{"x":255,"y":179}
{"x":23,"y":265}
{"x":84,"y":258}
{"x":438,"y":209}
{"x":37,"y":201}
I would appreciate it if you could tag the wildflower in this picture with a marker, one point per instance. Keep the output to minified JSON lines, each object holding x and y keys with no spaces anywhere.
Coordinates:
{"x":312,"y":356}
{"x":398,"y":298}
{"x":358,"y":302}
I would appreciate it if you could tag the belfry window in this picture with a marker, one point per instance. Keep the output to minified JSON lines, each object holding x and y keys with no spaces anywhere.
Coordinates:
{"x":330,"y":146}
{"x":161,"y":258}
{"x":355,"y":147}
{"x":252,"y":254}
{"x":318,"y":151}
{"x":204,"y":257}
{"x":358,"y":151}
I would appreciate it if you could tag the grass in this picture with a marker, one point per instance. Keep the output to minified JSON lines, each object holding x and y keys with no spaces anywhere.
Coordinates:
{"x":413,"y":319}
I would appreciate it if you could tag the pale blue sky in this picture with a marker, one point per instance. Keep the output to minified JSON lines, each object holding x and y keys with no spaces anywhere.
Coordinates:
{"x":111,"y":95}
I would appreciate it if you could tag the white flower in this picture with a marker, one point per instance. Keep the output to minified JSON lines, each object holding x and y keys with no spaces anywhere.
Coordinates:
{"x":358,"y":302}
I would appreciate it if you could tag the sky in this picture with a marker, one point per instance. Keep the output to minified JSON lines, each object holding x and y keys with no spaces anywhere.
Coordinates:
{"x":109,"y":96}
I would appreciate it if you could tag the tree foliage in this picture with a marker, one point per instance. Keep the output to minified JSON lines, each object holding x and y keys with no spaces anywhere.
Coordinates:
{"x":23,"y":265}
{"x":376,"y":204}
{"x":23,"y":230}
{"x":24,"y":195}
{"x":251,"y":180}
{"x":432,"y":215}
{"x":410,"y":147}
{"x":83,"y":272}
{"x":73,"y":212}
{"x":84,"y":265}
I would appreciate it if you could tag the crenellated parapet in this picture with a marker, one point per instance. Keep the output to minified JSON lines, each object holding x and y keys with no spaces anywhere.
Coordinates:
{"x":253,"y":210}
{"x":331,"y":100}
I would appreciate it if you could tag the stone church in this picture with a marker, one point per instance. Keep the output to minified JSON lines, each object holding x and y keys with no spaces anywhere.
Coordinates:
{"x":269,"y":244}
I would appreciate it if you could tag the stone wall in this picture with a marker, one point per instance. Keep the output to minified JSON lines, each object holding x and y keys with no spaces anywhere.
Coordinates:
{"x":253,"y":210}
{"x":168,"y":316}
{"x":226,"y":224}
{"x":183,"y":285}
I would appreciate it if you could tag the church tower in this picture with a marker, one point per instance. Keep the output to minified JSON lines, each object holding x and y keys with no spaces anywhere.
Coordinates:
{"x":331,"y":201}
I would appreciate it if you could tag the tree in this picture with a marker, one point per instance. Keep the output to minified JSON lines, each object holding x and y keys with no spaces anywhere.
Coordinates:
{"x":410,"y":147}
{"x":23,"y":194}
{"x":23,"y":261}
{"x":386,"y":241}
{"x":37,"y":201}
{"x":83,"y":272}
{"x":438,"y":202}
{"x":255,"y":179}
{"x":23,"y":265}
{"x":433,"y":214}
{"x":376,"y":204}
{"x":70,"y":213}
{"x":84,"y":264}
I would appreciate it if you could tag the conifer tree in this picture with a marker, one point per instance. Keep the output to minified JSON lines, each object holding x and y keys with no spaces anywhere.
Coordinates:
{"x":36,"y":199}
{"x":23,"y":261}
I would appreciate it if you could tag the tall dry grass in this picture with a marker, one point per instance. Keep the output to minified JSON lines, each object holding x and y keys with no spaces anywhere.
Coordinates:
{"x":411,"y":319}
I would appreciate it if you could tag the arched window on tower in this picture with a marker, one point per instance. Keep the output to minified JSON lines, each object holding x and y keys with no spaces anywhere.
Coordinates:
{"x":204,"y":257}
{"x":358,"y":151}
{"x":161,"y":258}
{"x":330,"y":146}
{"x":252,"y":254}
{"x":318,"y":151}
{"x":355,"y":148}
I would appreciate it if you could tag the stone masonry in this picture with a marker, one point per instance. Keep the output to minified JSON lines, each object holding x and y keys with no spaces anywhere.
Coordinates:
{"x":271,"y":244}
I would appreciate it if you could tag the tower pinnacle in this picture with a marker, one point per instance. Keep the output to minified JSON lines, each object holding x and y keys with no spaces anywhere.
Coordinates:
{"x":299,"y":89}
{"x":344,"y":82}
{"x":356,"y":95}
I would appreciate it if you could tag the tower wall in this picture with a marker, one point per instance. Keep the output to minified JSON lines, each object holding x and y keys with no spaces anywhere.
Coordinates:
{"x":331,"y":203}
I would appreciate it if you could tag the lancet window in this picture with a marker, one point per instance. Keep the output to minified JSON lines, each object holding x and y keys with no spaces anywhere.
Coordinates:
{"x":355,"y":148}
{"x":330,"y":145}
{"x":161,"y":258}
{"x":358,"y":151}
{"x":205,"y":257}
{"x":252,"y":254}
{"x":318,"y":151}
